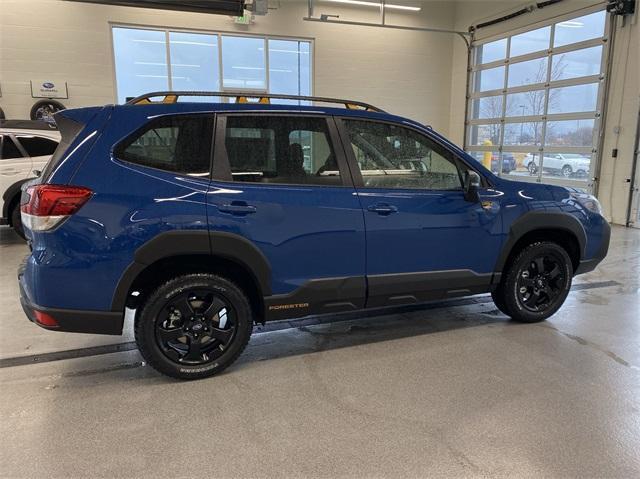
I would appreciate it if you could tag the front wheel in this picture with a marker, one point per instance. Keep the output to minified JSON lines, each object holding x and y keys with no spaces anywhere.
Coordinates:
{"x":194,"y":326}
{"x":536,"y":283}
{"x":567,"y":171}
{"x":533,"y":169}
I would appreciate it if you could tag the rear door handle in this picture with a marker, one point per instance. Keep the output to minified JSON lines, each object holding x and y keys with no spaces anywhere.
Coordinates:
{"x":238,"y":208}
{"x":383,"y":209}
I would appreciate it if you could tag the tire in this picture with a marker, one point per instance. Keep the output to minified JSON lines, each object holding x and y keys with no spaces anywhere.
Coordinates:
{"x":45,"y":109}
{"x":498,"y":299}
{"x":165,"y":329}
{"x":567,"y":171}
{"x":536,"y":283}
{"x":533,"y":169}
{"x":16,"y":220}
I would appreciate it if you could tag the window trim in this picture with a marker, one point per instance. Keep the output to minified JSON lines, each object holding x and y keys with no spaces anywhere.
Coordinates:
{"x":358,"y":180}
{"x":221,"y":159}
{"x":116,"y":146}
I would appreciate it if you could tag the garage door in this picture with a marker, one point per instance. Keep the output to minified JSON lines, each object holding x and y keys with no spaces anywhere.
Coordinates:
{"x":535,"y":100}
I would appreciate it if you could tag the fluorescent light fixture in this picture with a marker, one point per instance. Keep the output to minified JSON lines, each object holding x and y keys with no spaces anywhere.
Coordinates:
{"x":377,"y":5}
{"x":571,"y":24}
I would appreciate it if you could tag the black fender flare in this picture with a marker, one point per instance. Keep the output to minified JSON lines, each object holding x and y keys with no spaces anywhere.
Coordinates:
{"x":541,"y":220}
{"x":9,"y":195}
{"x":193,"y":242}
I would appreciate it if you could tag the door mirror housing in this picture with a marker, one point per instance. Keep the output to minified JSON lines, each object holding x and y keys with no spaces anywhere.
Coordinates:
{"x":471,"y":185}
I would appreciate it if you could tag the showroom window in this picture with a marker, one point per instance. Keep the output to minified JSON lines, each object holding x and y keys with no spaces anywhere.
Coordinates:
{"x":535,"y":101}
{"x":157,"y":60}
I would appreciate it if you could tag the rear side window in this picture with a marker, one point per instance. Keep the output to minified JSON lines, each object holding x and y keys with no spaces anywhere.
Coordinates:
{"x":9,"y":149}
{"x":180,"y":144}
{"x":280,"y":149}
{"x":37,"y":145}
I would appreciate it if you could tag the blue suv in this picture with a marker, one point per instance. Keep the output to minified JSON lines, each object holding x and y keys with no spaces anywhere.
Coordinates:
{"x":206,"y":218}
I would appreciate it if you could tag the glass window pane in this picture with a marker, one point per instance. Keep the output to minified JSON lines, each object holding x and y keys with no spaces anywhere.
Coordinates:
{"x":529,"y":42}
{"x":285,"y":150}
{"x":391,"y":156}
{"x":37,"y":145}
{"x":490,"y":52}
{"x":9,"y":149}
{"x":570,"y":133}
{"x":289,"y":68}
{"x":140,"y":60}
{"x":529,"y":133}
{"x":194,"y":62}
{"x":580,"y":29}
{"x":527,"y":103}
{"x":180,"y":144}
{"x":491,"y":79}
{"x":516,"y":163}
{"x":573,"y":98}
{"x":576,"y":64}
{"x":567,"y":165}
{"x":487,"y":107}
{"x":243,"y":63}
{"x":527,"y":73}
{"x":485,"y":135}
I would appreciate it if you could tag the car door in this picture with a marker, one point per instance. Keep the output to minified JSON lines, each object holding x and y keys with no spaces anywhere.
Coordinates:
{"x":281,"y":182}
{"x":15,"y":165}
{"x":39,"y":149}
{"x":424,"y":239}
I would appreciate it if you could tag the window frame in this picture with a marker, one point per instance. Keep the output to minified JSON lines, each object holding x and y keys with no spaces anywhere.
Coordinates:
{"x":219,"y":33}
{"x":461,"y":163}
{"x":116,"y":148}
{"x":547,"y":85}
{"x":221,"y":170}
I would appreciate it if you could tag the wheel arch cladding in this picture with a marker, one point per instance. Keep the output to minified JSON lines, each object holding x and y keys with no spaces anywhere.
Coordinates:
{"x":179,"y":252}
{"x":562,"y":228}
{"x":11,"y":195}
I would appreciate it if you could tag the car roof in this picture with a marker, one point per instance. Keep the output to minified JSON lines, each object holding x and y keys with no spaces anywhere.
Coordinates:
{"x":159,"y":109}
{"x":52,"y":134}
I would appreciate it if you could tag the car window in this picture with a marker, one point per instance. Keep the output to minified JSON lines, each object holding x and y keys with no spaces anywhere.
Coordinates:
{"x":37,"y":145}
{"x":392,"y":156}
{"x":180,"y":144}
{"x":9,"y":149}
{"x":280,"y":149}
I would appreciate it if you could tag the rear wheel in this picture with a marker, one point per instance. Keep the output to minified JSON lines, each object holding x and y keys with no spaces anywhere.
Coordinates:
{"x":16,"y":220}
{"x":194,"y":326}
{"x":536,"y":283}
{"x":567,"y":171}
{"x":533,"y":169}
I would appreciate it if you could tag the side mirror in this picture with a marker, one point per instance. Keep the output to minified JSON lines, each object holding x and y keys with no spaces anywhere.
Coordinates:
{"x":471,"y":185}
{"x":37,"y":172}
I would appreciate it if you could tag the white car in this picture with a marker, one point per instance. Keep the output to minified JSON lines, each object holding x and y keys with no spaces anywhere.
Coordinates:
{"x":25,"y":146}
{"x":565,"y":164}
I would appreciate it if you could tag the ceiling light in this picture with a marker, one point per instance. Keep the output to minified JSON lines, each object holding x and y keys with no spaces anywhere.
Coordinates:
{"x":571,"y":24}
{"x":377,"y":5}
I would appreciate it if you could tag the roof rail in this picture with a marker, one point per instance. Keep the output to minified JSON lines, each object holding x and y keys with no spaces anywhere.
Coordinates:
{"x":169,"y":97}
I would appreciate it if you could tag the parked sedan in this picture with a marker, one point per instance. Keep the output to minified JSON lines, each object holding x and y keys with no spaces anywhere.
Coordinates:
{"x":566,"y":164}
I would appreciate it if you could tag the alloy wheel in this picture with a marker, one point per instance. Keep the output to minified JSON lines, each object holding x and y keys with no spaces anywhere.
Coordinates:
{"x":195,"y":326}
{"x":540,"y":283}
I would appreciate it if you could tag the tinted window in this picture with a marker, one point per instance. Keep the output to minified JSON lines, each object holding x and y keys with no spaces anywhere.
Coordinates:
{"x":9,"y":149}
{"x":37,"y":145}
{"x":391,"y":156}
{"x":293,"y":150}
{"x":180,"y":143}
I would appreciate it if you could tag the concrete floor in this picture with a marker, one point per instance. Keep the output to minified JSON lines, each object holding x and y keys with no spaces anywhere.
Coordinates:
{"x":451,"y":390}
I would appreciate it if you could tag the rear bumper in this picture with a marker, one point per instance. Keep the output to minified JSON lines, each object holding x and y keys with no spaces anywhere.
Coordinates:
{"x":587,"y":265}
{"x":71,"y":320}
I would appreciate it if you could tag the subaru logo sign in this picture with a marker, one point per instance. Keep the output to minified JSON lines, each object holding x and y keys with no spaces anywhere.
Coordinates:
{"x":48,"y":85}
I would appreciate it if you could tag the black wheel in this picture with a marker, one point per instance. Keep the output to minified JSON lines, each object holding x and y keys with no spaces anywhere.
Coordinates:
{"x":16,"y":220}
{"x":45,"y":109}
{"x":533,"y":169}
{"x":194,"y":326}
{"x":536,"y":283}
{"x":567,"y":171}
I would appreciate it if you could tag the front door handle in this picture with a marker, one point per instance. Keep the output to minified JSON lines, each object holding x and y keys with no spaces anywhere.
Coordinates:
{"x":238,"y":208}
{"x":383,"y":209}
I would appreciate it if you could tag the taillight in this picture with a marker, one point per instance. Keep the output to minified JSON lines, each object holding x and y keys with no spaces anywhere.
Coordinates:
{"x":46,"y":206}
{"x":45,"y":320}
